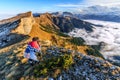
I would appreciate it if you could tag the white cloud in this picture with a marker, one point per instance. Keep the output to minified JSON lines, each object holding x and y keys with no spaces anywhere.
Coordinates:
{"x":102,"y":2}
{"x":72,"y":7}
{"x":5,"y":16}
{"x":110,"y":34}
{"x":81,"y":6}
{"x":87,"y":3}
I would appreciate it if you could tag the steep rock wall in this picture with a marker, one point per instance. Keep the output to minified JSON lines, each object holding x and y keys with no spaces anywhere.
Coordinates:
{"x":24,"y":26}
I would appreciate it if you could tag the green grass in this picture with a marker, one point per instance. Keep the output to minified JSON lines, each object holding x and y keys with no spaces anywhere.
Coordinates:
{"x":62,"y":34}
{"x":77,"y":41}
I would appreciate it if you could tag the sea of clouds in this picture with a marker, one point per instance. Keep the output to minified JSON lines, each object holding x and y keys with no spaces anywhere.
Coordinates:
{"x":109,"y":33}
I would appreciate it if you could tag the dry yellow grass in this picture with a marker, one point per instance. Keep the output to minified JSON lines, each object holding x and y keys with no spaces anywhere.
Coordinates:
{"x":46,"y":20}
{"x":24,"y":60}
{"x":36,"y":31}
{"x":82,"y":49}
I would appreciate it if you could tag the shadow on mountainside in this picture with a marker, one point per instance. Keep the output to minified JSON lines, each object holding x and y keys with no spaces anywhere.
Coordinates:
{"x":116,"y":57}
{"x":114,"y":60}
{"x":12,"y":39}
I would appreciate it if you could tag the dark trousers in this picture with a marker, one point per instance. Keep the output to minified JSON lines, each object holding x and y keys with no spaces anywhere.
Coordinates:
{"x":32,"y":62}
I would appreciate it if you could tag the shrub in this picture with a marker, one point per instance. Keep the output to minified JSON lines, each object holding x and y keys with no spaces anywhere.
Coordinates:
{"x":66,"y":61}
{"x":94,"y":52}
{"x":54,"y":39}
{"x":50,"y":65}
{"x":77,"y":41}
{"x":62,"y":34}
{"x":48,"y":29}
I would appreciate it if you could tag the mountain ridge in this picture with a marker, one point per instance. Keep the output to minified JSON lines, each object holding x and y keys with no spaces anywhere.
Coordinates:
{"x":22,"y":15}
{"x":46,"y":24}
{"x":32,"y":26}
{"x":75,"y":59}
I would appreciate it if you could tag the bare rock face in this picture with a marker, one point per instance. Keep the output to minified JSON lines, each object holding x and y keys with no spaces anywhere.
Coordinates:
{"x":14,"y":29}
{"x":24,"y":26}
{"x":91,"y":68}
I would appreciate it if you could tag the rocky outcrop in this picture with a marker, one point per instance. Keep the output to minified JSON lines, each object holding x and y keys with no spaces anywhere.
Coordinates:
{"x":21,"y":24}
{"x":24,"y":26}
{"x":19,"y":16}
{"x":5,"y":33}
{"x":91,"y":68}
{"x":15,"y":29}
{"x":86,"y":67}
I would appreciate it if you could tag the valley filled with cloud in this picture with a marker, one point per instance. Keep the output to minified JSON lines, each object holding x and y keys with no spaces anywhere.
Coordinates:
{"x":108,"y":32}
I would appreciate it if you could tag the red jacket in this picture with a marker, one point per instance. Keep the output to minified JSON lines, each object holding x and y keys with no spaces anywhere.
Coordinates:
{"x":34,"y":44}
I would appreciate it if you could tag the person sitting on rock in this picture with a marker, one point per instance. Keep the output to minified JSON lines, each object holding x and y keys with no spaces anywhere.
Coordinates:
{"x":31,"y":50}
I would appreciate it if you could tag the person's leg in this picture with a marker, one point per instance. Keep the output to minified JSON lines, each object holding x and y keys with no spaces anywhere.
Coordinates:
{"x":30,"y":61}
{"x":37,"y":62}
{"x":33,"y":57}
{"x":33,"y":62}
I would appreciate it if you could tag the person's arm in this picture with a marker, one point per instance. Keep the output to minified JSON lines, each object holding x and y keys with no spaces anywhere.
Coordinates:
{"x":36,"y":50}
{"x":39,"y":45}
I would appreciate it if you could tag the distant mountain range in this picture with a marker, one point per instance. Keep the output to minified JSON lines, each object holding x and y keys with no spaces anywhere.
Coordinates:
{"x":101,"y":10}
{"x":96,"y":12}
{"x":101,"y":13}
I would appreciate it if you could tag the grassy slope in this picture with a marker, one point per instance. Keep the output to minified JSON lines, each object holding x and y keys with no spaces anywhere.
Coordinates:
{"x":13,"y":62}
{"x":58,"y":40}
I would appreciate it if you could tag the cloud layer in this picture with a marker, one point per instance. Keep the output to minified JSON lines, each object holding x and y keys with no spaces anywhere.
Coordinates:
{"x":102,"y":2}
{"x":109,"y":34}
{"x":86,"y":3}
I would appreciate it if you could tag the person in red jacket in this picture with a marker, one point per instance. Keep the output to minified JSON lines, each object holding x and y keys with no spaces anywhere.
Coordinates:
{"x":31,"y":50}
{"x":35,"y":43}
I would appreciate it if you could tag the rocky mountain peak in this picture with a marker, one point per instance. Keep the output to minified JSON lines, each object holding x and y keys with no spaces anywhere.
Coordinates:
{"x":46,"y":21}
{"x":13,"y":29}
{"x":27,"y":14}
{"x":46,"y":16}
{"x":19,"y":16}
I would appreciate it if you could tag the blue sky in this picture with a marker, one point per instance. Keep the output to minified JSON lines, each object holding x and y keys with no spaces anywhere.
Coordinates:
{"x":9,"y":8}
{"x":17,"y":6}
